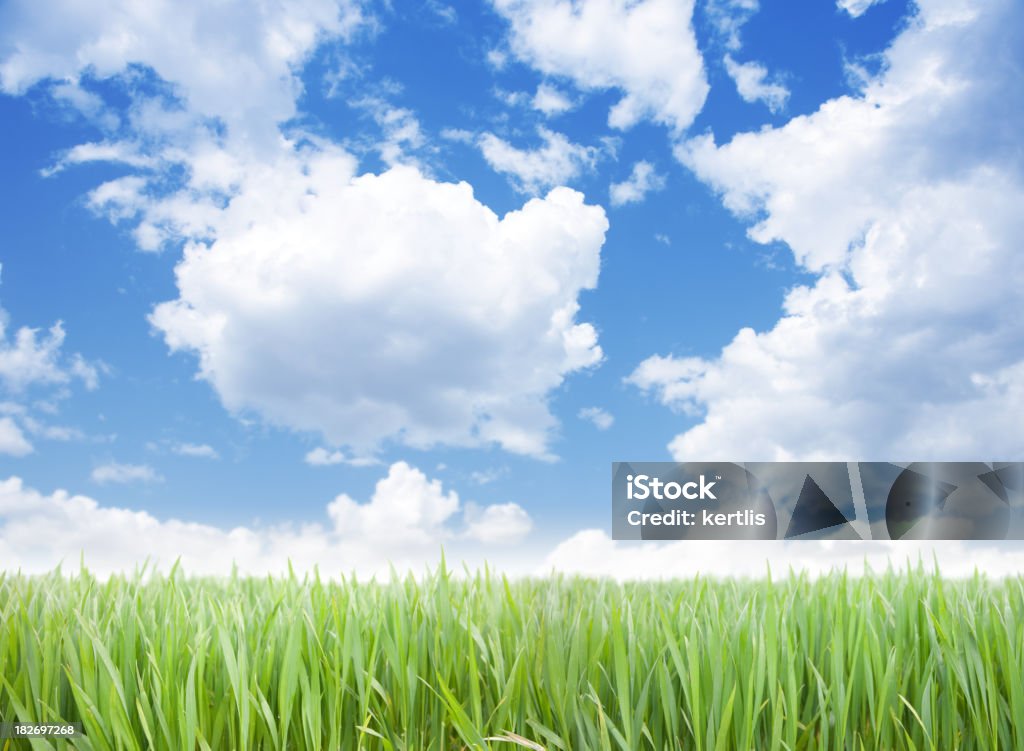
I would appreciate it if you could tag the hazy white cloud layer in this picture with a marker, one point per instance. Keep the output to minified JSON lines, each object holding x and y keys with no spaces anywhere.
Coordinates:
{"x":645,"y":49}
{"x":406,"y":521}
{"x":196,"y":450}
{"x":591,"y":552}
{"x":388,"y":306}
{"x":121,"y":474}
{"x":404,"y":524}
{"x":907,"y":201}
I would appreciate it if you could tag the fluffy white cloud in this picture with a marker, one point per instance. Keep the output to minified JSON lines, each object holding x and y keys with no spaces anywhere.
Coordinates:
{"x":753,"y":85}
{"x":12,"y":441}
{"x":906,"y":201}
{"x":557,"y":162}
{"x":114,"y":472}
{"x":645,"y":48}
{"x":856,"y":7}
{"x":406,"y":509}
{"x":498,"y":524}
{"x":232,"y":60}
{"x":404,"y":523}
{"x":33,"y":359}
{"x":601,"y":418}
{"x":551,"y":101}
{"x":388,"y":306}
{"x":641,"y":181}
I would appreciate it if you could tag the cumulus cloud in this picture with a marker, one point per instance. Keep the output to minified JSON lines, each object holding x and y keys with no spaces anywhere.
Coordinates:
{"x":550,"y":101}
{"x":466,"y":321}
{"x":39,"y":531}
{"x":601,"y":418}
{"x":251,"y":51}
{"x":557,"y":162}
{"x":122,"y":474}
{"x":753,"y":84}
{"x":12,"y":441}
{"x":405,"y":522}
{"x":905,"y":201}
{"x":498,"y":524}
{"x":646,"y":50}
{"x":388,"y":306}
{"x":641,"y":181}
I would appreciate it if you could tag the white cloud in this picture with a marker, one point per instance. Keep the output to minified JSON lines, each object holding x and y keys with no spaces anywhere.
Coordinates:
{"x":551,"y":101}
{"x":33,"y":359}
{"x":401,"y":129}
{"x":487,"y":476}
{"x":321,"y":457}
{"x":51,"y":432}
{"x":498,"y":524}
{"x":753,"y":85}
{"x":195,"y":450}
{"x":592,"y":552}
{"x":641,"y":181}
{"x":406,"y":509}
{"x":12,"y":441}
{"x":231,"y":60}
{"x":404,"y":522}
{"x":121,"y":474}
{"x":433,"y":359}
{"x":444,"y":13}
{"x":601,"y":418}
{"x":728,"y":18}
{"x":645,"y":48}
{"x":557,"y":162}
{"x":390,"y":306}
{"x":856,"y":7}
{"x":117,"y":152}
{"x":459,"y":135}
{"x":906,"y":201}
{"x":39,"y":531}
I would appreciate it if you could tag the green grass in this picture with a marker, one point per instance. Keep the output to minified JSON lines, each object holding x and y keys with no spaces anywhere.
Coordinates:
{"x":898,"y":661}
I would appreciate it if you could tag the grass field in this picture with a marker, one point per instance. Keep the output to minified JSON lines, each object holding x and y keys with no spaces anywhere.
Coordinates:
{"x":897,"y":661}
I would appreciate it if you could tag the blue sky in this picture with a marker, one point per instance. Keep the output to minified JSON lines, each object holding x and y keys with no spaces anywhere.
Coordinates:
{"x":727,"y":230}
